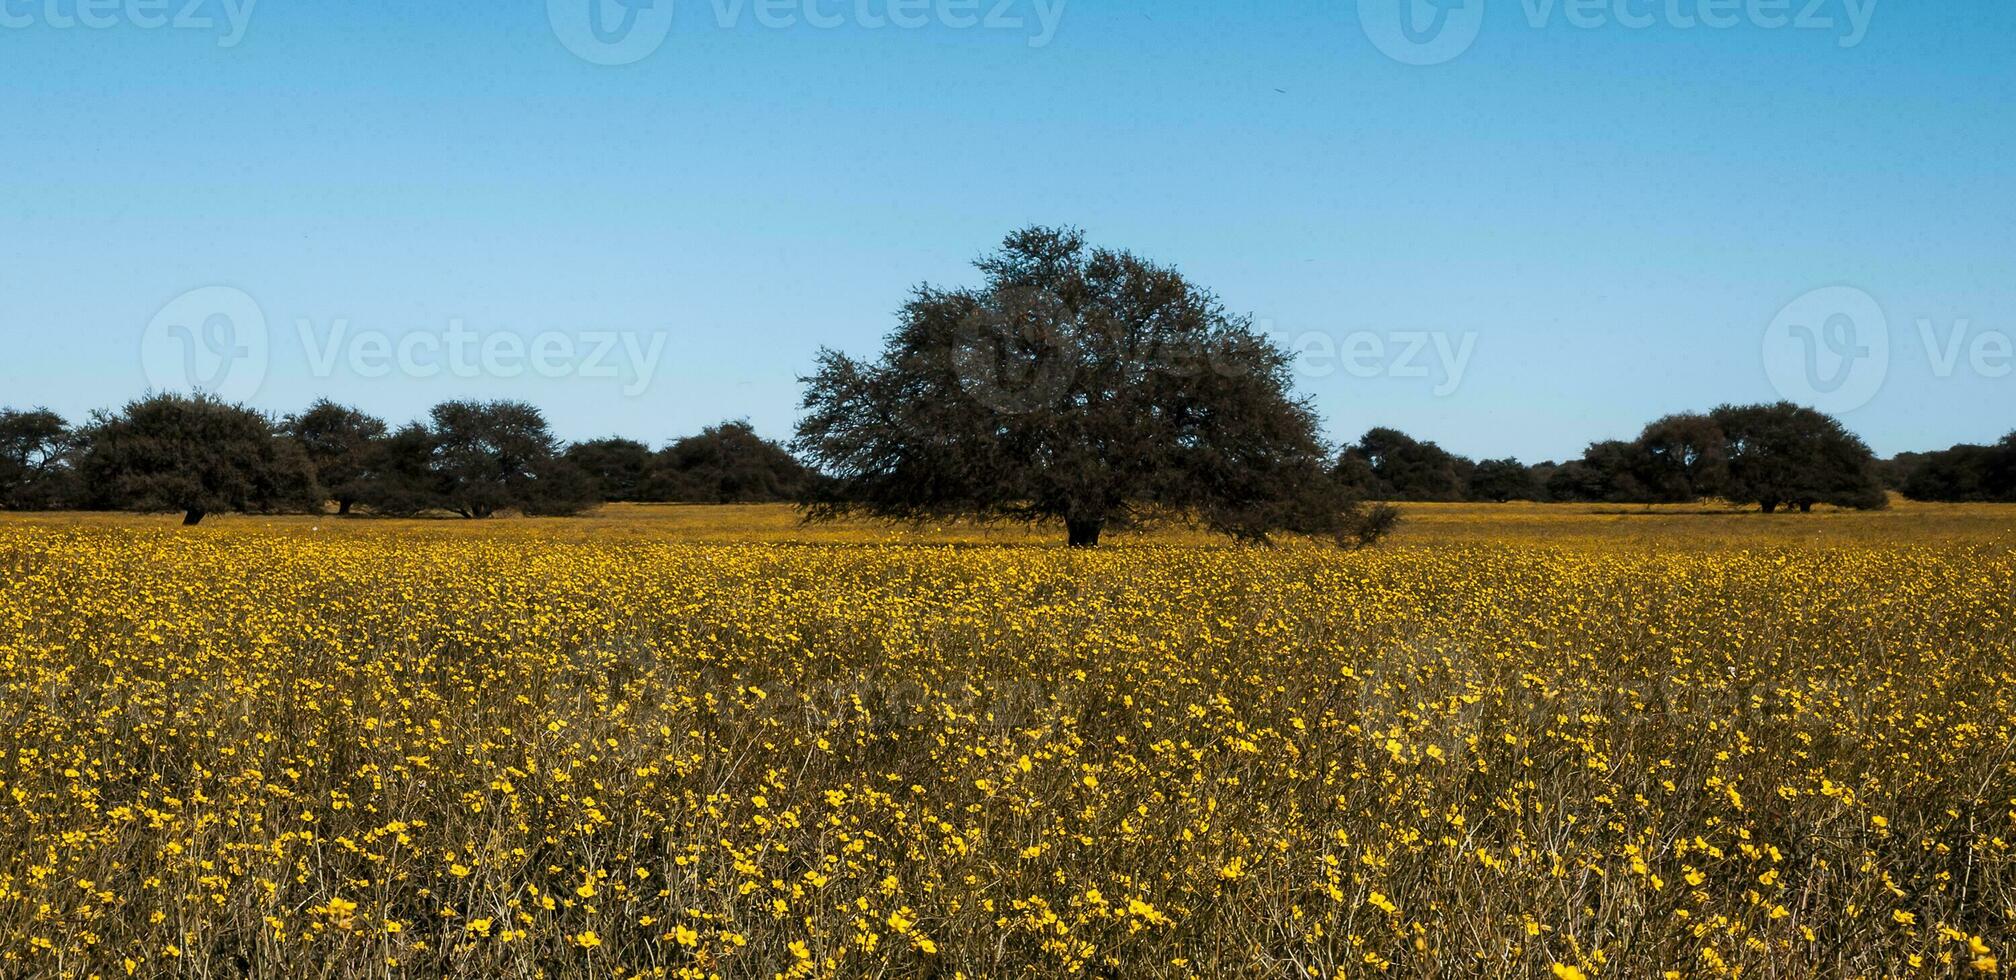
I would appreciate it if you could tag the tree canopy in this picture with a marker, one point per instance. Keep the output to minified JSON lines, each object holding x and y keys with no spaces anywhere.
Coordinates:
{"x":337,"y":441}
{"x":1074,"y":383}
{"x":194,"y":454}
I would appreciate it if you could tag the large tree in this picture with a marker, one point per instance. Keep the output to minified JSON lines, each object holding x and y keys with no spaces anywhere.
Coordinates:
{"x":492,"y":455}
{"x":35,"y":451}
{"x":194,"y":454}
{"x":1080,"y":384}
{"x":338,"y":442}
{"x":1787,"y":455}
{"x":1682,"y":458}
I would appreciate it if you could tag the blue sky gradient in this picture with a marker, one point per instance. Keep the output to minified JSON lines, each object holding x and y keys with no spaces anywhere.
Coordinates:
{"x":1616,"y":215}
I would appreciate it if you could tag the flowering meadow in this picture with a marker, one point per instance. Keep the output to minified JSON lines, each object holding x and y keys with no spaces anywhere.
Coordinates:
{"x":1516,"y":741}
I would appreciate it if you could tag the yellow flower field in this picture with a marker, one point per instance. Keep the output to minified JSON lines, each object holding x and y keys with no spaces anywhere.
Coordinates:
{"x":1529,"y":741}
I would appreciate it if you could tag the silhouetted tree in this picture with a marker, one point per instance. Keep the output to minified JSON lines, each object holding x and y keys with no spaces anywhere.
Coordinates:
{"x":1608,"y":472}
{"x":619,"y":467}
{"x":1387,"y":464}
{"x":1682,"y":458}
{"x":1500,"y":480}
{"x":1787,"y":455}
{"x":1080,"y":384}
{"x":727,"y":463}
{"x":338,"y":443}
{"x":492,"y":455}
{"x":35,"y":450}
{"x":558,"y":489}
{"x":195,"y":454}
{"x":1964,"y":473}
{"x":401,"y":480}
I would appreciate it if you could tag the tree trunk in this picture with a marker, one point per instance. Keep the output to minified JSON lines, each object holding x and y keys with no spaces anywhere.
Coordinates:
{"x":1770,"y":506}
{"x":192,"y":518}
{"x":1805,"y":506}
{"x":1083,"y":532}
{"x":343,"y":507}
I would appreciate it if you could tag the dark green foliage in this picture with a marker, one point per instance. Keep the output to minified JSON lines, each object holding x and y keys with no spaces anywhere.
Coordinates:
{"x":619,"y":467}
{"x":1078,"y":384}
{"x":402,"y":481}
{"x":1786,"y":455}
{"x":726,"y":464}
{"x":338,"y":442}
{"x":194,"y":454}
{"x":475,"y":459}
{"x":1608,"y":472}
{"x":1963,"y":473}
{"x":1500,"y":480}
{"x":1387,"y":464}
{"x":488,"y":456}
{"x":35,"y":460}
{"x":558,"y":488}
{"x":1681,"y":458}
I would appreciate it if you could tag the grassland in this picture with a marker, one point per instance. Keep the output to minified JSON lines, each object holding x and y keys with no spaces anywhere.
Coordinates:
{"x":1518,"y":740}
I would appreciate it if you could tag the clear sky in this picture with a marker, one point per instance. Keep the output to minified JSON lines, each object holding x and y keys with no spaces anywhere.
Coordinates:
{"x":1607,"y":205}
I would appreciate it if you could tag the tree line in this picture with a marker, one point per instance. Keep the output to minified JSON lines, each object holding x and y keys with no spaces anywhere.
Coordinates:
{"x":1770,"y":456}
{"x":197,"y":455}
{"x":1082,"y":385}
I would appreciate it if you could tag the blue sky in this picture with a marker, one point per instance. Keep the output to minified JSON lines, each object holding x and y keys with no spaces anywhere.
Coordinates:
{"x":1610,"y":218}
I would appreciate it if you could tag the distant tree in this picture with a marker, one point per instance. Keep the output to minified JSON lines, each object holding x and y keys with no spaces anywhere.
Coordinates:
{"x":724,"y":464}
{"x":194,"y":454}
{"x":2001,"y":478}
{"x":558,"y":488}
{"x":618,"y":467}
{"x":400,"y":478}
{"x":1682,"y":458}
{"x":1608,"y":472}
{"x":338,"y":442}
{"x":1387,"y":464}
{"x":1787,"y":455}
{"x":1500,"y":480}
{"x":1079,"y":384}
{"x":1541,"y":473}
{"x":1896,"y":472}
{"x":35,"y":451}
{"x":492,"y":455}
{"x":1964,"y":473}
